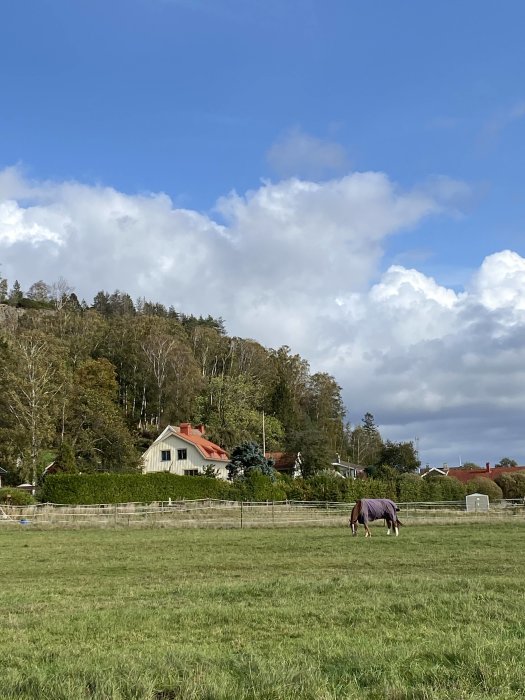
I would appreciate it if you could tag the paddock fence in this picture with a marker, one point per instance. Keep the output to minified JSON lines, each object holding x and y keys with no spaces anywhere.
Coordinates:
{"x":209,"y":513}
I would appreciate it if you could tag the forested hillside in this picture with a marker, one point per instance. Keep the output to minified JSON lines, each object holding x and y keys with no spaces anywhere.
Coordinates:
{"x":94,"y":383}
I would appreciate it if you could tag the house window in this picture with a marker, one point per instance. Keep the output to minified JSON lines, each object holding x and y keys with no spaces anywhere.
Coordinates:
{"x":182,"y":454}
{"x":191,"y":472}
{"x":165,"y":455}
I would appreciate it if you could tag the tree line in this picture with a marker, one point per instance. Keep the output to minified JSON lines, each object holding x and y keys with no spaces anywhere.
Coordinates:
{"x":92,"y":385}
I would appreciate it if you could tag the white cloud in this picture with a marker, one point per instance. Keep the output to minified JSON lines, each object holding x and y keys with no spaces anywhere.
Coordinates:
{"x":302,"y":155}
{"x":298,"y":263}
{"x":500,"y":283}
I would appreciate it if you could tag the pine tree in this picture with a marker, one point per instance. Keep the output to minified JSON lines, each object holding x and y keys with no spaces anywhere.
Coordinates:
{"x":16,"y":295}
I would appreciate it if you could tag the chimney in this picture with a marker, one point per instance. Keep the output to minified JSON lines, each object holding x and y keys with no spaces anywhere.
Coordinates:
{"x":487,"y":467}
{"x":185,"y":428}
{"x":201,"y":428}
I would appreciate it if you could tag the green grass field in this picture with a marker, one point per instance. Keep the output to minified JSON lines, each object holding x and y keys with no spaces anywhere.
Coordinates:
{"x":275,"y":614}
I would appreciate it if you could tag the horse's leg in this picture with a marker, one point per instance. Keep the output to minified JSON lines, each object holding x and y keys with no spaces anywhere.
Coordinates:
{"x":396,"y":528}
{"x":367,"y":531}
{"x":388,"y":524}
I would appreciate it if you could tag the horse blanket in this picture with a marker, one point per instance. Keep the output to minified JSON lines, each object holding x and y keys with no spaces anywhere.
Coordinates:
{"x":377,"y":508}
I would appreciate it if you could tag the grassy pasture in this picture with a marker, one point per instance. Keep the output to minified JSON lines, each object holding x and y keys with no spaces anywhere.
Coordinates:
{"x":274,"y":614}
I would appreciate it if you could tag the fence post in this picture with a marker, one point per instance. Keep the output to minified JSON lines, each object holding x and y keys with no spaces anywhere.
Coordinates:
{"x":273,"y":513}
{"x":116,"y":513}
{"x":241,"y":515}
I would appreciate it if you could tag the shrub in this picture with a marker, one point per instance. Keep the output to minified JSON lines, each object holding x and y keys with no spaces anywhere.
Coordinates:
{"x":18,"y":497}
{"x":480,"y":484}
{"x":512,"y":485}
{"x":519,"y":480}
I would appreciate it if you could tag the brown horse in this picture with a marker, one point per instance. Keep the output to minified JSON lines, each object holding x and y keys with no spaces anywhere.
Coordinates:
{"x":368,"y":509}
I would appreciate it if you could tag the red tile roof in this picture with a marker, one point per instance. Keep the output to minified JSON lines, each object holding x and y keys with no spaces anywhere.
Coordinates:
{"x":283,"y":461}
{"x":465,"y":475}
{"x":209,"y":450}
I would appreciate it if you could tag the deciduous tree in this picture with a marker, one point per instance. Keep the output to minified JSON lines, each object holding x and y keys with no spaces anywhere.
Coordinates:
{"x":34,"y":380}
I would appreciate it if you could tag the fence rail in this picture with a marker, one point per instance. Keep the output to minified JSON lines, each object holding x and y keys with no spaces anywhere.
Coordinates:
{"x":234,"y":514}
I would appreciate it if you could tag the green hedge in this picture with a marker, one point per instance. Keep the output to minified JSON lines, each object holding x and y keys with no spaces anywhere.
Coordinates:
{"x":325,"y":486}
{"x":83,"y":489}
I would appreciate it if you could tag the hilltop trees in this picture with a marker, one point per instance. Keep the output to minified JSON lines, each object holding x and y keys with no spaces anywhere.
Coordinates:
{"x":93,"y":385}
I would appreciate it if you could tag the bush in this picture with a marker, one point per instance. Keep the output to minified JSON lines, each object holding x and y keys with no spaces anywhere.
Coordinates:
{"x":480,"y":484}
{"x":18,"y":497}
{"x":512,"y":485}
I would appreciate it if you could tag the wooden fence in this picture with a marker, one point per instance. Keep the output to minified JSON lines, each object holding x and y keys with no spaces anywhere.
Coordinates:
{"x":234,"y":514}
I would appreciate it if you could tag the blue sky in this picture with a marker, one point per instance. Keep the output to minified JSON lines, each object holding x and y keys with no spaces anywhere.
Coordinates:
{"x":187,"y":97}
{"x":199,"y":98}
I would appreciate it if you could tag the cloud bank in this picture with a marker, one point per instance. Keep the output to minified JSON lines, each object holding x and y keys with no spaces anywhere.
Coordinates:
{"x":298,"y":262}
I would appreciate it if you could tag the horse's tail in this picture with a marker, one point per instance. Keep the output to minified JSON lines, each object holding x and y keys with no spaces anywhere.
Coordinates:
{"x":398,"y":522}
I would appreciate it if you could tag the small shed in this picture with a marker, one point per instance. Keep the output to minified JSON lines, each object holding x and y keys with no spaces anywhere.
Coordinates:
{"x":477,"y":503}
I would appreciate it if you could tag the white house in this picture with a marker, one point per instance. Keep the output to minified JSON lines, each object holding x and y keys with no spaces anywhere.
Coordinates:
{"x":184,"y":450}
{"x":348,"y":470}
{"x":434,"y":471}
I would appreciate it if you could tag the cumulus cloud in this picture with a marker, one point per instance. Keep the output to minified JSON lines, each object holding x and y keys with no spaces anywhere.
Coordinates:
{"x":298,"y":262}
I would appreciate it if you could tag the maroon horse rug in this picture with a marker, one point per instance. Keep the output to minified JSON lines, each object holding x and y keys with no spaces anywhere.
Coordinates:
{"x":368,"y":509}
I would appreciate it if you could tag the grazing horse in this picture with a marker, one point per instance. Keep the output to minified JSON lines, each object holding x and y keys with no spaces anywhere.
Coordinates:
{"x":368,"y":509}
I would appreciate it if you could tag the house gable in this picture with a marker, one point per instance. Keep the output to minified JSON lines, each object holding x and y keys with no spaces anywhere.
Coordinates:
{"x":184,"y":453}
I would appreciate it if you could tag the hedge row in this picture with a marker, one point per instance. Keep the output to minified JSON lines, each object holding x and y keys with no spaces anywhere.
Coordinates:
{"x":84,"y":489}
{"x":407,"y":487}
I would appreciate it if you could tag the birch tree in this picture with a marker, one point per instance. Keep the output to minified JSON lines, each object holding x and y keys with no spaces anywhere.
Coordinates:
{"x":157,"y":348}
{"x":34,"y":380}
